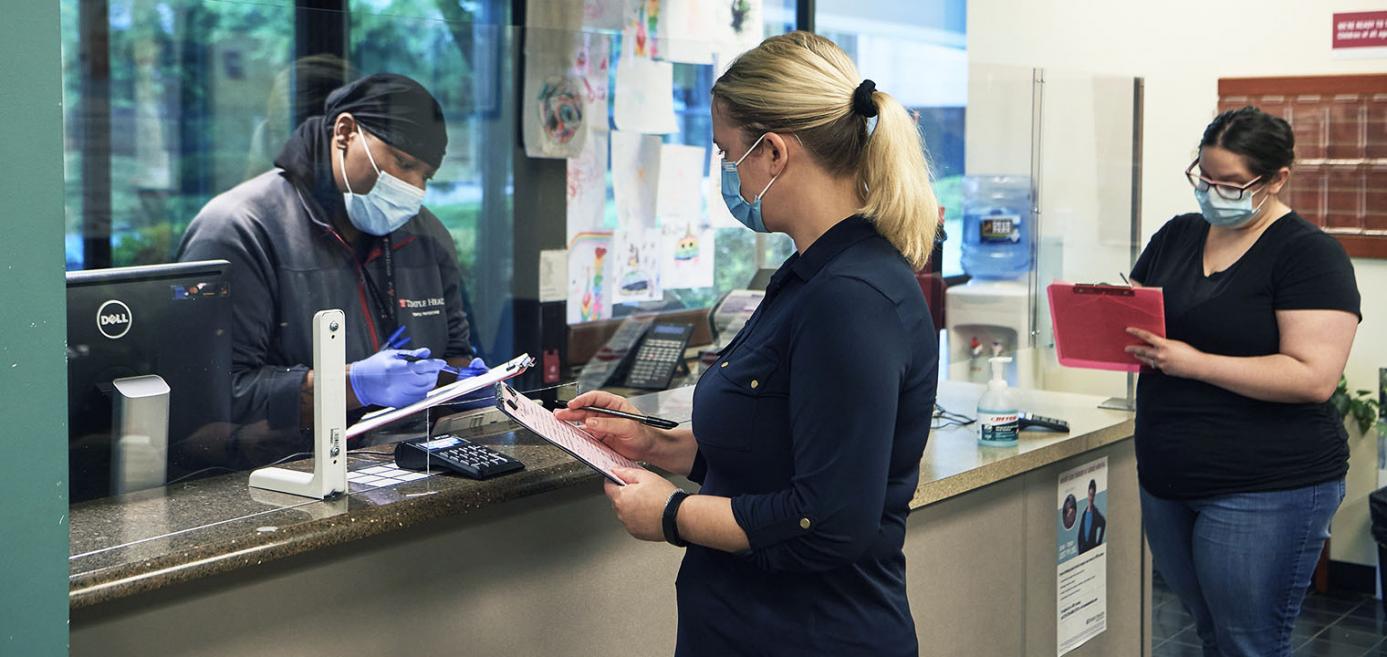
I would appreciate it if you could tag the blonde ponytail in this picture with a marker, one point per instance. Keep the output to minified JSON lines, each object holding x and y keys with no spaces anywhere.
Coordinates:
{"x":804,"y":84}
{"x":896,"y":180}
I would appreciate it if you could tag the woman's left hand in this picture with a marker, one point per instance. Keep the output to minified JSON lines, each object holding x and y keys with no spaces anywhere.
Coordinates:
{"x":1171,"y":357}
{"x":640,"y":504}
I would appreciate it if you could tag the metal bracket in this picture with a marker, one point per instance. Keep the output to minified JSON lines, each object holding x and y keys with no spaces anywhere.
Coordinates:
{"x":329,"y":476}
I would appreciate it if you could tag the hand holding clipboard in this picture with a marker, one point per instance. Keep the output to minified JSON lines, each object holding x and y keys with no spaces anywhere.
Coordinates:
{"x":578,"y":443}
{"x":1092,"y":321}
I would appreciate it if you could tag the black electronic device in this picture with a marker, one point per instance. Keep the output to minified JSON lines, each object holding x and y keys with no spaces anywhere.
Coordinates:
{"x":658,"y":355}
{"x":450,"y":452}
{"x":1032,"y":422}
{"x":172,"y":321}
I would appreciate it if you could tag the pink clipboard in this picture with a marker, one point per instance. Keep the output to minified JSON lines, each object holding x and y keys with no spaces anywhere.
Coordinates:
{"x":1091,"y":323}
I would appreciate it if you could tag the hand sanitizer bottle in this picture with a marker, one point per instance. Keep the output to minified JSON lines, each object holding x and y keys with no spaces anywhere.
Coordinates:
{"x":998,"y":416}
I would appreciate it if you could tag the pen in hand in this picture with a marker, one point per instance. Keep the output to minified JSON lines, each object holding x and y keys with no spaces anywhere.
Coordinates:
{"x":414,"y":359}
{"x":649,"y":420}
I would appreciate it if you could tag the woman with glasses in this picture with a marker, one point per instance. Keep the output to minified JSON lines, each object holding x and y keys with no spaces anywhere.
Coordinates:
{"x":1241,"y":458}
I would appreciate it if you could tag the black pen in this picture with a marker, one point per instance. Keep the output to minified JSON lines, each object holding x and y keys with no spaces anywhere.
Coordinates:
{"x":414,"y":359}
{"x":658,"y":423}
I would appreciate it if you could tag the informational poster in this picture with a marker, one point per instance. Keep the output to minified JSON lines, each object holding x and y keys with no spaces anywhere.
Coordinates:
{"x":1360,"y":34}
{"x":679,"y":196}
{"x":686,"y":256}
{"x":1082,"y":530}
{"x":635,"y":178}
{"x":644,"y":93}
{"x":587,"y":187}
{"x":589,"y":277}
{"x":637,"y":265}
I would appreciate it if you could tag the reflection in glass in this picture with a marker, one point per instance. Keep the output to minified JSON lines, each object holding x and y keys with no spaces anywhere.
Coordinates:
{"x":177,"y":102}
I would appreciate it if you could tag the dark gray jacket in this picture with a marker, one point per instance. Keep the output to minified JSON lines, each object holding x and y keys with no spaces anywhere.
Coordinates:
{"x":287,"y":263}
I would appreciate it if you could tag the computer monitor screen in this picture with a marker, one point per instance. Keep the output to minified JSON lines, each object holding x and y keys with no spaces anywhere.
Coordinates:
{"x":171,"y":321}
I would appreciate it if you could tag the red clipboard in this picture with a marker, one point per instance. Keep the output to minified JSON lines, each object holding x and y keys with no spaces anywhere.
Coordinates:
{"x":1091,"y":323}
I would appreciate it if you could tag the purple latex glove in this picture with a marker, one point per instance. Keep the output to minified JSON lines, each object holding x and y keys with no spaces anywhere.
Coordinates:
{"x":386,"y":379}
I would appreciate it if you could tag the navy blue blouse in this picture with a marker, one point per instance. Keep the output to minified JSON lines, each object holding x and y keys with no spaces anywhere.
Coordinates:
{"x":813,"y":421}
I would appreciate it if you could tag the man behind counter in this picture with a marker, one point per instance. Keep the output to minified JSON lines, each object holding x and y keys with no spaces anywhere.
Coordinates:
{"x":338,"y":223}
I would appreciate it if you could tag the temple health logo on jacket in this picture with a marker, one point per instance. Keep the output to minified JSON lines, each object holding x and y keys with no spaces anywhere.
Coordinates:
{"x":423,"y":307}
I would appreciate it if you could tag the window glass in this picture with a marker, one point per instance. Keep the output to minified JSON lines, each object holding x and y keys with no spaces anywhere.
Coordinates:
{"x":892,"y":41}
{"x":736,"y":249}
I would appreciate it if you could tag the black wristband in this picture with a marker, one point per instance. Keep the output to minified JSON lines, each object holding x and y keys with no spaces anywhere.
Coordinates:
{"x":669,"y":521}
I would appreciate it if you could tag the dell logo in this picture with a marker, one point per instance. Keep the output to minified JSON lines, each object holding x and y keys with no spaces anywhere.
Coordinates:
{"x":113,"y":319}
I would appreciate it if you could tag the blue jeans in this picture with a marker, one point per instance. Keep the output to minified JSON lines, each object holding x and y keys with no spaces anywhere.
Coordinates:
{"x":1241,"y":563}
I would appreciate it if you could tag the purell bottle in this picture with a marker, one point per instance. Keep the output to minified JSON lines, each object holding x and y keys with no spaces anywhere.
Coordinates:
{"x":998,"y":416}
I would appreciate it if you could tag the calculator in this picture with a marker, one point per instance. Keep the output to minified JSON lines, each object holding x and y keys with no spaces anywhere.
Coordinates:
{"x":660,"y":353}
{"x":460,"y":455}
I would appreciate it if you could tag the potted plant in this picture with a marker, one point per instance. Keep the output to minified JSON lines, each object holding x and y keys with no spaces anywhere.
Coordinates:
{"x":1358,"y":405}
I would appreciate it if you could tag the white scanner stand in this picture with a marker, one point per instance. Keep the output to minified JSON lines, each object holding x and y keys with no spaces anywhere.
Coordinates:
{"x":329,"y":476}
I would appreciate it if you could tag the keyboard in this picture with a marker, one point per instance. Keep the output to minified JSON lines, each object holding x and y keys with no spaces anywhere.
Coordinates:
{"x":449,"y":452}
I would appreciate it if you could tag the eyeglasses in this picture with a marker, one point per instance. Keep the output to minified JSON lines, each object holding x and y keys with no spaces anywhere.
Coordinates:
{"x":1228,"y":191}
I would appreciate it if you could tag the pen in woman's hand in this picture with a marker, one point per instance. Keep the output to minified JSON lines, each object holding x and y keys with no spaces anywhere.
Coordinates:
{"x":649,"y":420}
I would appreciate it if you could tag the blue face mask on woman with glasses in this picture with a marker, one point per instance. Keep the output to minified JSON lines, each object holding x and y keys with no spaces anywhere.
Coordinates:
{"x":1225,"y":213}
{"x":1225,"y":205}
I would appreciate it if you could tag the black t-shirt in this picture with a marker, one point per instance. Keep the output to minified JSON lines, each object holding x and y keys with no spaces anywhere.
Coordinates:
{"x":1194,"y":439}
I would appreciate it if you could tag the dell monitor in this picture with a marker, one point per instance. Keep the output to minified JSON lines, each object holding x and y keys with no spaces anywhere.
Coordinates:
{"x":149,"y":375}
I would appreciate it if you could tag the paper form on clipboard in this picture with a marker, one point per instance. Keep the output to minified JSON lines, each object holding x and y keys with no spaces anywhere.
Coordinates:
{"x":1091,"y":323}
{"x":578,"y":443}
{"x":371,"y":421}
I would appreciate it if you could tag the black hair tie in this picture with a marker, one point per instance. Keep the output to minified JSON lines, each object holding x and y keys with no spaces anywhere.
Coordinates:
{"x":862,"y":99}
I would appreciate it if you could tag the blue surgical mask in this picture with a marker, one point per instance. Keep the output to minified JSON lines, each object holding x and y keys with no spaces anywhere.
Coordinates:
{"x":1223,"y":213}
{"x":389,"y":205}
{"x":747,"y":213}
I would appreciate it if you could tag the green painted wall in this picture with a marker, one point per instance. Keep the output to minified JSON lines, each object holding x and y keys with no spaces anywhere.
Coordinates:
{"x":33,"y":370}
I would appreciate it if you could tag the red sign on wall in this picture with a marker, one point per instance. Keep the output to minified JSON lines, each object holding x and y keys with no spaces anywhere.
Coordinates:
{"x":1360,"y":29}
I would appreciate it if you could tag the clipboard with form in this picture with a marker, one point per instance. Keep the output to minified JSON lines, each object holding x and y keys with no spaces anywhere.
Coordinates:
{"x":1091,"y":323}
{"x":371,"y":421}
{"x":570,"y":438}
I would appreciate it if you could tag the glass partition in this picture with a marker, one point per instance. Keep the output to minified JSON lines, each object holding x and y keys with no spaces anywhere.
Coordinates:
{"x":1072,"y":140}
{"x":1089,"y":192}
{"x":175,"y":103}
{"x":602,"y":176}
{"x":175,"y":106}
{"x":992,"y":314}
{"x":918,"y":53}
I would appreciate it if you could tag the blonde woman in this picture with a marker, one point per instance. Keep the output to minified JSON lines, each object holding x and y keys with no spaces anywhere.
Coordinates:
{"x":807,"y":432}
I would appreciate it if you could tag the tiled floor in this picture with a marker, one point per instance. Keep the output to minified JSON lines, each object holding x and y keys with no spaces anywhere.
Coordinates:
{"x":1330,"y":625}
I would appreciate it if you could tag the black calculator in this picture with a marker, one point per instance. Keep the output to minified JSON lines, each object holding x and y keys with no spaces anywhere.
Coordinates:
{"x":460,"y":455}
{"x":659,"y":355}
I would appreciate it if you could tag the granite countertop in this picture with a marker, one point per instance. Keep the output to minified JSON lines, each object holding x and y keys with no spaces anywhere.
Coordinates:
{"x":954,"y":463}
{"x":144,"y":541}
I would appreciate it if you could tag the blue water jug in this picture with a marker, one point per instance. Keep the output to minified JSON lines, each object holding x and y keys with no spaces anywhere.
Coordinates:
{"x":997,"y":230}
